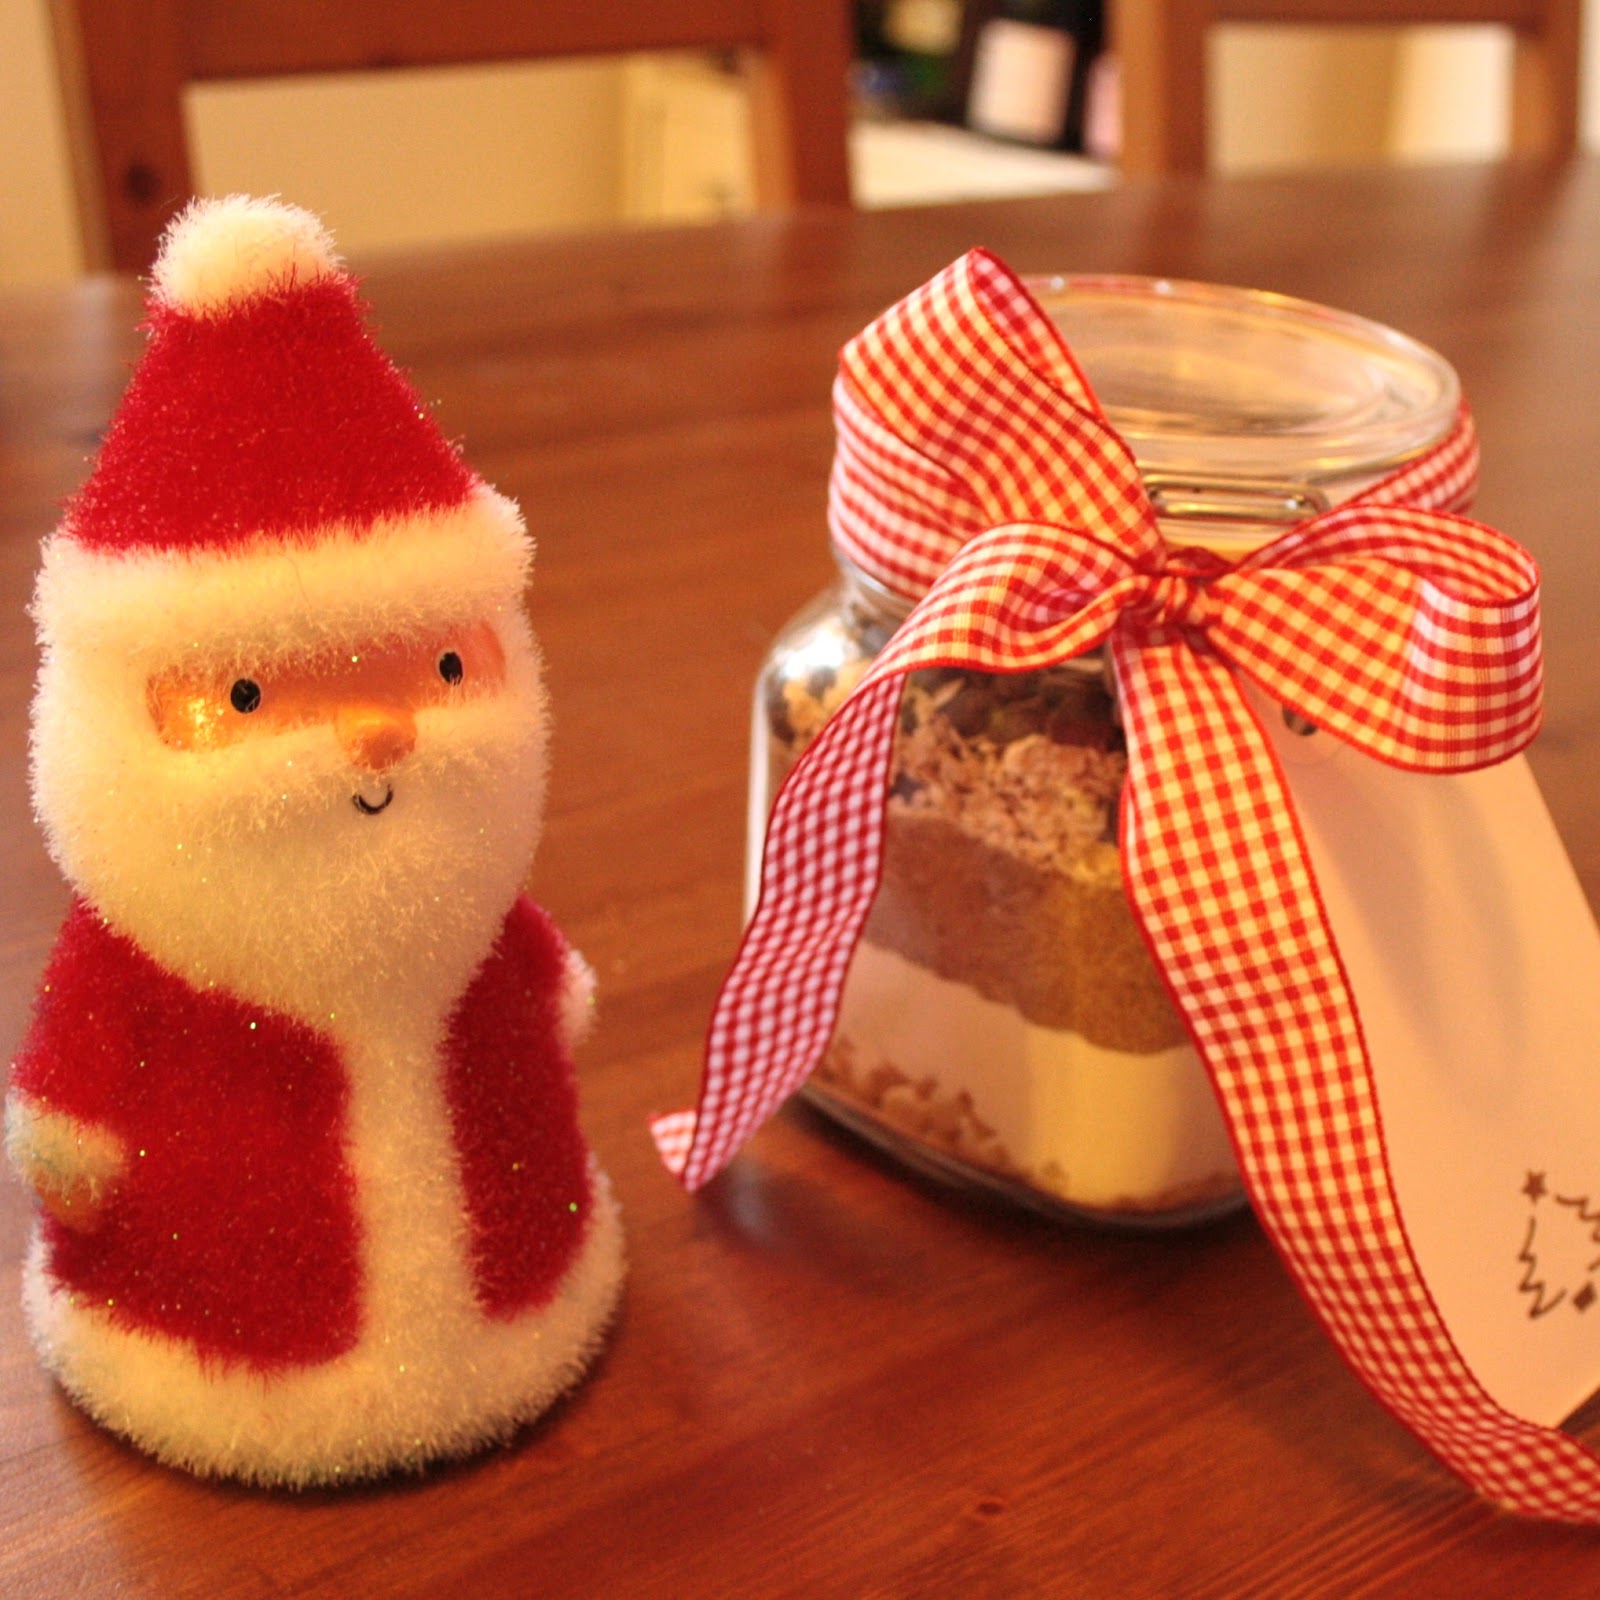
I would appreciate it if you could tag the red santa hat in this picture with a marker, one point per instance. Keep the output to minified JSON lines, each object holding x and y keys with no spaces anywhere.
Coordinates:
{"x":270,"y":481}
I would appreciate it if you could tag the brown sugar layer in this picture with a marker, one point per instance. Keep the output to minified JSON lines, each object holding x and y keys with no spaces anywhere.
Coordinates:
{"x":1062,"y":952}
{"x":1001,"y":868}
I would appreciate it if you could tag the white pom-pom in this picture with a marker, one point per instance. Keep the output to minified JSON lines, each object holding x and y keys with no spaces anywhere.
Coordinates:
{"x":220,"y":253}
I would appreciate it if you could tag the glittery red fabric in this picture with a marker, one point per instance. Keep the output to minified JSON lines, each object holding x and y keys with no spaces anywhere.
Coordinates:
{"x":513,"y":1101}
{"x":282,"y":415}
{"x":234,"y":1224}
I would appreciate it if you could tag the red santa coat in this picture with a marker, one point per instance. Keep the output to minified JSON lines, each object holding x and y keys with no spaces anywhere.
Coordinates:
{"x":233,"y":1224}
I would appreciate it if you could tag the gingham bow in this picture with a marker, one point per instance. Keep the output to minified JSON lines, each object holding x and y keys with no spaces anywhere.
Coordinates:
{"x":974,"y":464}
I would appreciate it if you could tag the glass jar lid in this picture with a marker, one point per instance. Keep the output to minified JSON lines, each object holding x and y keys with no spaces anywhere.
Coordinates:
{"x":1207,"y":382}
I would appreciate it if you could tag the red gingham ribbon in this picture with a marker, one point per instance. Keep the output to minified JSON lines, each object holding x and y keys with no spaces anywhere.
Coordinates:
{"x":975,"y":464}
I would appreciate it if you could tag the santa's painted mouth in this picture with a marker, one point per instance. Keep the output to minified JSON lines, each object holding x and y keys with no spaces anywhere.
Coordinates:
{"x":370,"y":808}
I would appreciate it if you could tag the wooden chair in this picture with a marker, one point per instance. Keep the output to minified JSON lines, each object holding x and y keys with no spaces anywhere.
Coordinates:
{"x":1160,"y":47}
{"x":125,"y":64}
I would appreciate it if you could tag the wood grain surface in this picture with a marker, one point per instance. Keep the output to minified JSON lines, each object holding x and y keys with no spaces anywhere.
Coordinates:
{"x":828,"y":1379}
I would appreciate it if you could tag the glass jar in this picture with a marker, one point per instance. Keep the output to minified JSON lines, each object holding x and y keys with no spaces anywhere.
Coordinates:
{"x":1002,"y":1022}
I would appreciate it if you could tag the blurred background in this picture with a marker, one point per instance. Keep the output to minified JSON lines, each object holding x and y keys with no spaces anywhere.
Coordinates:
{"x":948,"y":103}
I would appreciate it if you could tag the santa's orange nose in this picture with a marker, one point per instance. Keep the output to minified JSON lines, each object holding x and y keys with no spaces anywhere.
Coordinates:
{"x":376,"y":736}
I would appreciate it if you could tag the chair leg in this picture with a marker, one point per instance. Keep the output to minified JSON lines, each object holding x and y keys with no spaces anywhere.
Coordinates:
{"x":1544,"y":83}
{"x":1160,"y":52}
{"x":800,"y":80}
{"x":130,"y":154}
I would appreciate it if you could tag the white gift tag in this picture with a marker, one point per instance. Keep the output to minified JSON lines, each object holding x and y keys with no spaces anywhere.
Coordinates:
{"x":1476,"y":965}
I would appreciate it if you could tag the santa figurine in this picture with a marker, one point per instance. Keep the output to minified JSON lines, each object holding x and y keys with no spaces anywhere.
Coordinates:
{"x":298,"y":1097}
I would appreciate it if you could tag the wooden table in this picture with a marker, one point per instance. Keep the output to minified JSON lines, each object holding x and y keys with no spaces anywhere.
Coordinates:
{"x":828,"y":1380}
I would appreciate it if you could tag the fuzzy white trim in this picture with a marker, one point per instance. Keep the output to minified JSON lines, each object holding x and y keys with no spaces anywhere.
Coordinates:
{"x":366,"y":1414}
{"x":224,"y":252}
{"x":577,"y":1000}
{"x":57,"y":1153}
{"x":275,"y":596}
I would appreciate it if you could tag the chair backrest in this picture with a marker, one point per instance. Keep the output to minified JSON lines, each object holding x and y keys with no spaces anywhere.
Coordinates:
{"x":1160,"y":46}
{"x":125,"y":64}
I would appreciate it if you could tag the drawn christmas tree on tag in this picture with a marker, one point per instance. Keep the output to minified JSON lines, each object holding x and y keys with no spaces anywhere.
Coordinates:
{"x":1560,"y":1253}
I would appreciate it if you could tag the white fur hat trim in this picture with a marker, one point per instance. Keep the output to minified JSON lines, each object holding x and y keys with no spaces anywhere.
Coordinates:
{"x":273,"y":596}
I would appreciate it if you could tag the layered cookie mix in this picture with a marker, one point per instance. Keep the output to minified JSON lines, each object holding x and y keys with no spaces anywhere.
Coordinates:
{"x":1002,"y":1010}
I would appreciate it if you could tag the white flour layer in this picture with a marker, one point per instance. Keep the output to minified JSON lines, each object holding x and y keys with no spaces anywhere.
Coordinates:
{"x":1100,"y":1128}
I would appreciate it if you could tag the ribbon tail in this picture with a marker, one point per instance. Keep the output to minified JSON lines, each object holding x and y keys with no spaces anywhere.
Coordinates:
{"x":673,"y":1133}
{"x":777,"y":1007}
{"x":1222,"y":885}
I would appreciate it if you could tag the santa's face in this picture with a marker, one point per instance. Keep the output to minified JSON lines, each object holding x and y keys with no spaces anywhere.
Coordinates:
{"x":334,"y":832}
{"x":369,"y":693}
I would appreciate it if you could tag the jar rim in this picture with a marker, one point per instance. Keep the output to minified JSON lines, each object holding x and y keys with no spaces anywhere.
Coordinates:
{"x":1206,"y":381}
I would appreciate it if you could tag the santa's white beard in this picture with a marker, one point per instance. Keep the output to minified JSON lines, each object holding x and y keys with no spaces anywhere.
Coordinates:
{"x":250,"y":868}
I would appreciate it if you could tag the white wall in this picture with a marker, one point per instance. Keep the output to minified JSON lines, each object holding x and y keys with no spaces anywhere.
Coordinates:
{"x":38,"y":224}
{"x":464,"y":153}
{"x":1284,"y":97}
{"x":1455,"y":93}
{"x":1438,"y":93}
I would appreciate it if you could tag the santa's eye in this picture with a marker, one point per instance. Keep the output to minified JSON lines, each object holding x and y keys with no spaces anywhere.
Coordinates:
{"x":245,"y":695}
{"x":450,"y":668}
